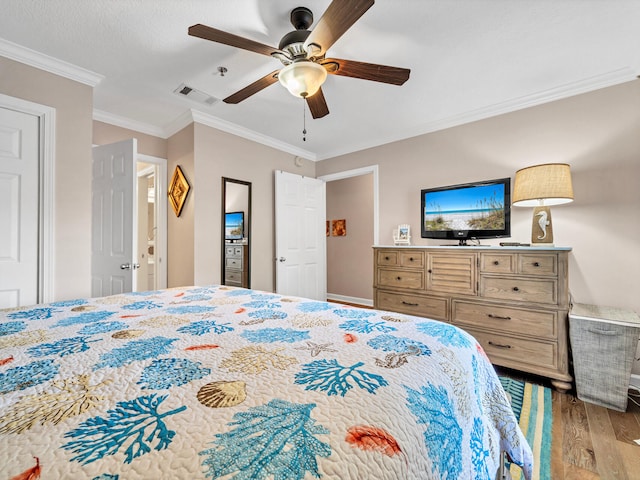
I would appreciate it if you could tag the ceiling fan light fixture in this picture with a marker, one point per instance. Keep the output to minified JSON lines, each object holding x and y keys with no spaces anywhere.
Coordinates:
{"x":302,"y":78}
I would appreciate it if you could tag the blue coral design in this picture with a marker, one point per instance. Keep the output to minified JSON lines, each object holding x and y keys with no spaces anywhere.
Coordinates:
{"x":276,"y":440}
{"x":26,"y":376}
{"x":353,"y":313}
{"x":171,"y":372}
{"x":144,"y":305}
{"x":266,"y":314}
{"x":64,"y":347}
{"x":9,"y":328}
{"x":135,"y":350}
{"x":365,"y":326}
{"x":262,"y":304}
{"x":33,"y":314}
{"x":102,"y":327}
{"x":203,"y":327}
{"x":270,"y":335}
{"x":310,"y":307}
{"x":86,"y":317}
{"x":334,"y":379}
{"x":390,"y":343}
{"x":433,"y":408}
{"x":70,"y":303}
{"x":447,"y":334}
{"x":190,"y":309}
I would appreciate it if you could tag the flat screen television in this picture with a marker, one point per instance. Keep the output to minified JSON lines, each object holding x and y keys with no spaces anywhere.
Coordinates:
{"x":233,"y":225}
{"x":469,"y":211}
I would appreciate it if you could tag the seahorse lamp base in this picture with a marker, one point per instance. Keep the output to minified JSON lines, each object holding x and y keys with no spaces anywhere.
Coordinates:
{"x":541,"y":227}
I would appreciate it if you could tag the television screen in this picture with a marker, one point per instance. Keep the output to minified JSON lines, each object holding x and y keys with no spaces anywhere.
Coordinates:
{"x":234,"y":225}
{"x":468,"y":211}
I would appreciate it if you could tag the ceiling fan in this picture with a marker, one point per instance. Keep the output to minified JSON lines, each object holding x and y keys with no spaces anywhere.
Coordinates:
{"x":302,"y":52}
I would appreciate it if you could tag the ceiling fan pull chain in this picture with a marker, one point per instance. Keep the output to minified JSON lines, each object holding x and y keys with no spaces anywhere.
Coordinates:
{"x":304,"y":121}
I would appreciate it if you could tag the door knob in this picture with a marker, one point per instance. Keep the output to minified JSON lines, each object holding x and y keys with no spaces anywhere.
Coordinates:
{"x":129,"y":266}
{"x":282,"y":259}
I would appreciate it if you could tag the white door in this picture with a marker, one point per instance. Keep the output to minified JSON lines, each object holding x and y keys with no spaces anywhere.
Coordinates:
{"x":300,"y":236}
{"x":113,"y":219}
{"x":19,"y":208}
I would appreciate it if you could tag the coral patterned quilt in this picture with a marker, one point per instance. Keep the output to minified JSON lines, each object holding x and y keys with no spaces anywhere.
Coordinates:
{"x":222,"y":382}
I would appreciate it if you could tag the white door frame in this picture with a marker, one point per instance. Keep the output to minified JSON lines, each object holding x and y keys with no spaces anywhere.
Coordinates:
{"x":355,"y":173}
{"x":161,"y":214}
{"x":46,"y":168}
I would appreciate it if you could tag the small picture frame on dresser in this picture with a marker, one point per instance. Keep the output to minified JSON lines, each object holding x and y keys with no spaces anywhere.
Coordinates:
{"x":402,"y":236}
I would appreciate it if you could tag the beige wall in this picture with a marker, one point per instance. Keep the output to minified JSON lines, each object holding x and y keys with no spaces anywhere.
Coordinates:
{"x":73,"y":103}
{"x":349,"y":259}
{"x":219,"y":154}
{"x":180,"y":230}
{"x":598,"y":133}
{"x":104,"y":133}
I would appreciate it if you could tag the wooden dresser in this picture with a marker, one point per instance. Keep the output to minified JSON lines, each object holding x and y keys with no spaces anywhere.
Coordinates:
{"x":514,"y":301}
{"x":236,"y":265}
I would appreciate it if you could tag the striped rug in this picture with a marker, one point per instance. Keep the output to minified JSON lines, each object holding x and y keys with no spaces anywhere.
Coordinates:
{"x":531,"y":404}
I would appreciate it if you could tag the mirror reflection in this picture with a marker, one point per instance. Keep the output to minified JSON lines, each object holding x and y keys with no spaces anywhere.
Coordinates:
{"x":236,"y":233}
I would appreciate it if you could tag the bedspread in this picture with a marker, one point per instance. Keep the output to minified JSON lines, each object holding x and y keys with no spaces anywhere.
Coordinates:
{"x":222,"y":382}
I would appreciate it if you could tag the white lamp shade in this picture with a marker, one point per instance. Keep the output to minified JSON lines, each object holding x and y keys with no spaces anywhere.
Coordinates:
{"x":303,"y":78}
{"x":548,"y":184}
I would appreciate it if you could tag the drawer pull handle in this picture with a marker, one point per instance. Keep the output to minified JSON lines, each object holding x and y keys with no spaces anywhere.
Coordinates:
{"x":398,"y":278}
{"x":386,"y":258}
{"x":499,"y":345}
{"x":609,"y":333}
{"x":516,"y":289}
{"x":536,"y":264}
{"x":429,"y":271}
{"x":410,"y":304}
{"x":496,"y":262}
{"x":498,"y":317}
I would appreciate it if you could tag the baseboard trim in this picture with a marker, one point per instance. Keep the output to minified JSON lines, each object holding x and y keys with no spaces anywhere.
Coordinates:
{"x":367,"y":302}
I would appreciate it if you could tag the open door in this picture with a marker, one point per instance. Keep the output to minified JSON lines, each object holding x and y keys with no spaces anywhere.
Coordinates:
{"x":300,"y":236}
{"x":114,"y":219}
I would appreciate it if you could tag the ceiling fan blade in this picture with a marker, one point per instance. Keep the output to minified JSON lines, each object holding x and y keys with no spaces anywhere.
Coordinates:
{"x":255,"y":87}
{"x":366,"y":71}
{"x":336,"y":20}
{"x":318,"y":105}
{"x":218,"y":36}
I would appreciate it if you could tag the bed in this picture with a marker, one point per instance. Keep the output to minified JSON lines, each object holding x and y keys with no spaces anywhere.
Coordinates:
{"x":222,"y":382}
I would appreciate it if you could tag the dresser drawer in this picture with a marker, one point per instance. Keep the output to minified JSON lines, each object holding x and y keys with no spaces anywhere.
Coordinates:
{"x":520,"y":289}
{"x":411,"y":259}
{"x":400,"y":279}
{"x":232,"y":277}
{"x":515,"y":352}
{"x":233,"y":262}
{"x":498,"y":262}
{"x":535,"y":323}
{"x":387,"y":258}
{"x":431,"y":307}
{"x":537,"y":264}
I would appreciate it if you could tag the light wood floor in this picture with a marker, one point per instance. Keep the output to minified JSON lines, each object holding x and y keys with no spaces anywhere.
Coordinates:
{"x":590,"y":442}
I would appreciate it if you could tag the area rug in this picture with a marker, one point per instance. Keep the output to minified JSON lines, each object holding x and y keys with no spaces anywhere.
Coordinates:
{"x":531,"y":404}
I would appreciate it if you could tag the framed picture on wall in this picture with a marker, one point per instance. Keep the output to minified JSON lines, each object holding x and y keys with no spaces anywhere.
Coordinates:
{"x":178,"y":190}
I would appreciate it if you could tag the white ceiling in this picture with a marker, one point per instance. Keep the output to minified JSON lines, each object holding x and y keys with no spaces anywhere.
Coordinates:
{"x":469,"y":59}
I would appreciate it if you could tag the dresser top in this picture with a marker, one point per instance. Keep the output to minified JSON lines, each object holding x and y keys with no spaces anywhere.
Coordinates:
{"x":496,"y":248}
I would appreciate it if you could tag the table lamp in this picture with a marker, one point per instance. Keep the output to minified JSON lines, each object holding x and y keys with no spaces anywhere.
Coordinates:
{"x":540,"y":186}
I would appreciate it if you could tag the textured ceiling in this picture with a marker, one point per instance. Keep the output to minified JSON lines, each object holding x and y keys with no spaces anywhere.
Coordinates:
{"x":469,"y":59}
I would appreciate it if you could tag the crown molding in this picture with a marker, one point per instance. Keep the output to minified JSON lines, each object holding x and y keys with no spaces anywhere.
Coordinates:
{"x":49,"y":64}
{"x":234,"y":129}
{"x":608,"y":79}
{"x":123,"y":122}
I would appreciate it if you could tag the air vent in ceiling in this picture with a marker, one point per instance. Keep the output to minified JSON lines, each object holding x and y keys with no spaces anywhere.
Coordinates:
{"x":195,"y":95}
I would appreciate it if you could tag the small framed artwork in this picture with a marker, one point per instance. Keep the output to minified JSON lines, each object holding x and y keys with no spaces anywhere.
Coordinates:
{"x":178,"y":190}
{"x":402,"y":236}
{"x":338,"y":228}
